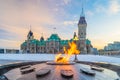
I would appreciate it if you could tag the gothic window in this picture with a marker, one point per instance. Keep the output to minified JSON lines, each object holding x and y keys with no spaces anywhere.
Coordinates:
{"x":47,"y":44}
{"x":81,"y":33}
{"x":51,"y":44}
{"x":32,"y":47}
{"x":29,"y":44}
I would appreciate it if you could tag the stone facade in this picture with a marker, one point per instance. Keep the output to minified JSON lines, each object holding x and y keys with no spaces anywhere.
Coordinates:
{"x":111,"y":49}
{"x":109,"y":52}
{"x":82,"y":25}
{"x":52,"y":45}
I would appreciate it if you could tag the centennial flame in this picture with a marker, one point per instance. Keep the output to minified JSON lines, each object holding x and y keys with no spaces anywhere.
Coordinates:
{"x":64,"y":58}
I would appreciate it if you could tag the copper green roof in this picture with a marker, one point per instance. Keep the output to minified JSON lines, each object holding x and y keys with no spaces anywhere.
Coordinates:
{"x":24,"y":44}
{"x":42,"y":43}
{"x":88,"y":42}
{"x":54,"y":37}
{"x":64,"y":42}
{"x":34,"y":41}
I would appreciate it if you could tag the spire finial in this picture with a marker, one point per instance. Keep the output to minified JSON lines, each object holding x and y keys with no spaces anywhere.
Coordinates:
{"x":75,"y":38}
{"x":82,"y":16}
{"x":30,"y":27}
{"x":74,"y":34}
{"x":82,"y":5}
{"x":54,"y":29}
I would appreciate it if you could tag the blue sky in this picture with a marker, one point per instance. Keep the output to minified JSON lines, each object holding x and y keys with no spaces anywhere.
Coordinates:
{"x":16,"y":16}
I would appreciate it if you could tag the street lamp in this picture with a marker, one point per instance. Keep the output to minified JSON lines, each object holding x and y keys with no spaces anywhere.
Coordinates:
{"x":75,"y":39}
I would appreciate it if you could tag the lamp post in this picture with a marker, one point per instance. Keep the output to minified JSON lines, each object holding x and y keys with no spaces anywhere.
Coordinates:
{"x":75,"y":59}
{"x":75,"y":39}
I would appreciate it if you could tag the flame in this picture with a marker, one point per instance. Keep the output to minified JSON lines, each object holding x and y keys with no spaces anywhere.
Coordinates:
{"x":64,"y":58}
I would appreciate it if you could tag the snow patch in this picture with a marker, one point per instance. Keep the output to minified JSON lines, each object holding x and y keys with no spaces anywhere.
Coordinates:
{"x":44,"y":57}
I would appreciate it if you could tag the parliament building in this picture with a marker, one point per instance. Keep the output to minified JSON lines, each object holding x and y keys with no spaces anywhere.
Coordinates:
{"x":55,"y":44}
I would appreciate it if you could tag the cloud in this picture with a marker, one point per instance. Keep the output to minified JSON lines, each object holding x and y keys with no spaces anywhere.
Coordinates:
{"x":111,"y":8}
{"x":29,"y":12}
{"x":66,"y":2}
{"x":114,"y":6}
{"x":89,"y":13}
{"x":100,"y":9}
{"x":66,"y":23}
{"x":17,"y":15}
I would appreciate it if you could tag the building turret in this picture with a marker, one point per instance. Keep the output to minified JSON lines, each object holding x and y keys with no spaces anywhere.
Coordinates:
{"x":42,"y":38}
{"x":30,"y":35}
{"x":75,"y":38}
{"x":82,"y":25}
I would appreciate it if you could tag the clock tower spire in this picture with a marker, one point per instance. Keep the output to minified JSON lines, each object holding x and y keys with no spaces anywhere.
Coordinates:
{"x":82,"y":25}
